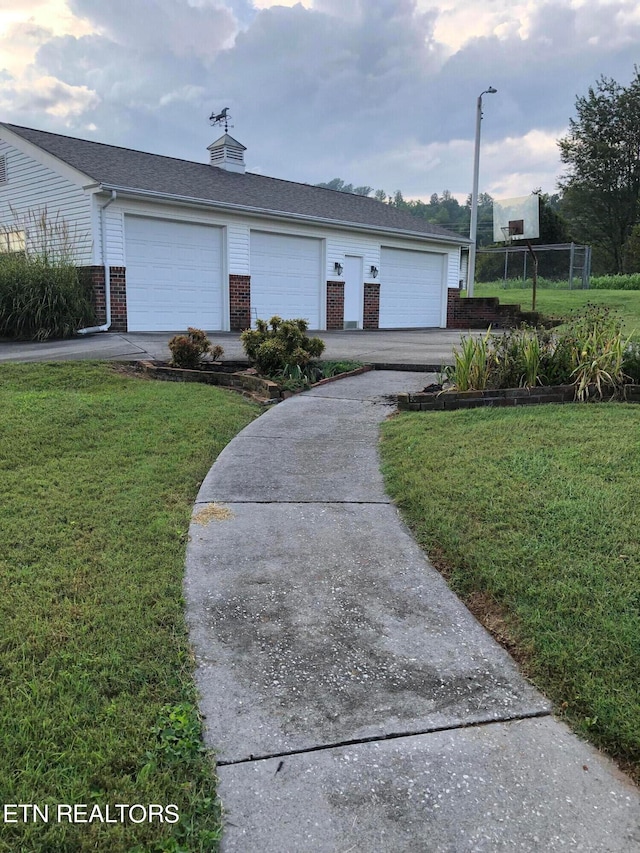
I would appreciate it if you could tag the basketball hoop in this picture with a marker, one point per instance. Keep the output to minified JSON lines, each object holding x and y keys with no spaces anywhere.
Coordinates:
{"x":507,"y":234}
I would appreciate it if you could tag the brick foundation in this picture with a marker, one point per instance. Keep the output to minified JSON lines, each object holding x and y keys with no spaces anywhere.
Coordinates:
{"x":117,"y":282}
{"x":240,"y":302}
{"x":335,"y":304}
{"x":94,"y":276}
{"x":371,"y":318}
{"x":480,"y":312}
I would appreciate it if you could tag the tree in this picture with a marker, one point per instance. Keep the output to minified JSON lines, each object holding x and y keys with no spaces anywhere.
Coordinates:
{"x":602,"y":149}
{"x":339,"y":185}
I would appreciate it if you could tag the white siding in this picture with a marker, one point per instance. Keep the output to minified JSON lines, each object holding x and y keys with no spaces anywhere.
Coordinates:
{"x":454,"y":273}
{"x":114,"y":235}
{"x":238,"y":247}
{"x":341,"y":244}
{"x":32,"y":187}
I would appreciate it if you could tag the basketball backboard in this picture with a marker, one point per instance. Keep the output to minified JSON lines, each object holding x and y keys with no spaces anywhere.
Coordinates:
{"x":516,"y":218}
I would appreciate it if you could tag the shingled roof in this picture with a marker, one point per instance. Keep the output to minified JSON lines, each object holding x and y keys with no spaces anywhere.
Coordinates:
{"x":133,"y":171}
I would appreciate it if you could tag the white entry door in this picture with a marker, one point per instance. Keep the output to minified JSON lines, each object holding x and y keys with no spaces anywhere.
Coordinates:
{"x":353,"y":308}
{"x":174,"y":275}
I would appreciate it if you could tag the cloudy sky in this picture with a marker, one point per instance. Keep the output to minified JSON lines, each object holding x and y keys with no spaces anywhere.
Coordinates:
{"x":377,"y":92}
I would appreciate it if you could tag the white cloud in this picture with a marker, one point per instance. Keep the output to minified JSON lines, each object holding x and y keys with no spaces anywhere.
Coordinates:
{"x":47,"y":95}
{"x":156,"y":26}
{"x":518,"y":165}
{"x":378,"y":92}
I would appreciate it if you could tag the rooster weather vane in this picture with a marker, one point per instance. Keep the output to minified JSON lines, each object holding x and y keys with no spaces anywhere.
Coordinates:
{"x":221,"y":118}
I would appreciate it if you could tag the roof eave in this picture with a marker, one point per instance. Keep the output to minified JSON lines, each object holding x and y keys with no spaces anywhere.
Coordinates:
{"x":265,"y":212}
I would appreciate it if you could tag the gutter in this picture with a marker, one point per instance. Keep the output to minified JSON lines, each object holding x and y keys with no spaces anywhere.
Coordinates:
{"x":296,"y":217}
{"x":107,"y":277}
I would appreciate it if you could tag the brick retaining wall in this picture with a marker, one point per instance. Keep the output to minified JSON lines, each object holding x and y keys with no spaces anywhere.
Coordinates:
{"x":480,"y":312}
{"x":428,"y":402}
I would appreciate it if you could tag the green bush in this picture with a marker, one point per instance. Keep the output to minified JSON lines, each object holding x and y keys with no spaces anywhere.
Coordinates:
{"x":616,"y":282}
{"x":188,"y":351}
{"x":42,"y":297}
{"x":631,"y":362}
{"x":277,"y":345}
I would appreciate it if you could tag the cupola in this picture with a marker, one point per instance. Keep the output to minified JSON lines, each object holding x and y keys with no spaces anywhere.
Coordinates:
{"x":227,"y":153}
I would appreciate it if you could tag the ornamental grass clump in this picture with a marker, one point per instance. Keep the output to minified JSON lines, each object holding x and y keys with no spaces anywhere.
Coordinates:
{"x":598,"y":353}
{"x":589,"y":353}
{"x":43,"y":292}
{"x":278,"y":345}
{"x":472,"y":364}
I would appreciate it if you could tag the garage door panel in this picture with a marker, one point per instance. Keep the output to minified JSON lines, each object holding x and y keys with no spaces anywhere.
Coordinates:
{"x":411,"y":290}
{"x":174,"y":274}
{"x":286,"y":276}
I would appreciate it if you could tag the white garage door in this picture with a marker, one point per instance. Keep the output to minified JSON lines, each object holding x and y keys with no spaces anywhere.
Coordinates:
{"x":411,"y":291}
{"x":286,"y":277}
{"x":174,"y":275}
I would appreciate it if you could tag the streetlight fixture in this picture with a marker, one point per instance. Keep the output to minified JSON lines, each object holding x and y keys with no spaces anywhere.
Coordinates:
{"x":473,"y":228}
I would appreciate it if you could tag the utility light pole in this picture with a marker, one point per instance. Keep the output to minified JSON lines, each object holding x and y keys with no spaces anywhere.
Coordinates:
{"x":473,"y":227}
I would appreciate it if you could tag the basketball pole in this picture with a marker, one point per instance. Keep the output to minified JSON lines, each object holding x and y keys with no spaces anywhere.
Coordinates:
{"x":534,"y":274}
{"x":473,"y":225}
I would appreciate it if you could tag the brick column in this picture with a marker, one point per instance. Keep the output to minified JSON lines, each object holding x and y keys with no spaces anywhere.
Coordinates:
{"x":239,"y":302}
{"x":94,"y":276}
{"x":371,"y":319}
{"x":335,"y":304}
{"x":118,"y":284}
{"x":453,"y":300}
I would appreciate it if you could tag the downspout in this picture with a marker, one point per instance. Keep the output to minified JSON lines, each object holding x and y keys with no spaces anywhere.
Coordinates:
{"x":107,"y":277}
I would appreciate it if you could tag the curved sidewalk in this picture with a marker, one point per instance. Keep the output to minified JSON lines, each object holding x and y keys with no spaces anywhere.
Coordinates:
{"x":353,"y":702}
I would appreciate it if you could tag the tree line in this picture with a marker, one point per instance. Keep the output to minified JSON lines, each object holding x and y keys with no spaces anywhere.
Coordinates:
{"x":598,"y":198}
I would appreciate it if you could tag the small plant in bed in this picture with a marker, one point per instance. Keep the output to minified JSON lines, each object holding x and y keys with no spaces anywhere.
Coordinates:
{"x":277,"y":346}
{"x":190,"y":351}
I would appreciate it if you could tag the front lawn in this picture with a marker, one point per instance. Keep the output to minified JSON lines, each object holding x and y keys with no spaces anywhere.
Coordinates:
{"x":99,"y":472}
{"x":532,"y":514}
{"x":560,"y":303}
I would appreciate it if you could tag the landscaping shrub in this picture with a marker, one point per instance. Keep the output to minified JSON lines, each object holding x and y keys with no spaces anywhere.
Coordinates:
{"x":616,"y":282}
{"x":278,"y":344}
{"x":631,"y":362}
{"x":42,"y":298}
{"x":188,"y":351}
{"x":630,"y":281}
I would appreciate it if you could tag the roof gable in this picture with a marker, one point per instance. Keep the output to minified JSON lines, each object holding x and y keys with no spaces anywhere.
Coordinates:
{"x":126,"y":169}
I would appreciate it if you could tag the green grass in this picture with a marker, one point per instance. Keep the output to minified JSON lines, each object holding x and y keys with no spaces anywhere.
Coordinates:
{"x":99,"y":472}
{"x":537,"y":510}
{"x":560,"y":303}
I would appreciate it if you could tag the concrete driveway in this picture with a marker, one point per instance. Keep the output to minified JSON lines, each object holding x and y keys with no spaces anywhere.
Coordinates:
{"x":424,"y":348}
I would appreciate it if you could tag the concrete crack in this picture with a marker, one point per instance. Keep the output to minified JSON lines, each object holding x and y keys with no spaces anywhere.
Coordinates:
{"x":390,"y":736}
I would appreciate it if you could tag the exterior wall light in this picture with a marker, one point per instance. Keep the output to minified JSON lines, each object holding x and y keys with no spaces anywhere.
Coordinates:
{"x":374,"y":272}
{"x":337,"y":268}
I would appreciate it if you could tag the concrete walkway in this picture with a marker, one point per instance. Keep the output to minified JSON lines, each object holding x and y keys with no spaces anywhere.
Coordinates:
{"x":353,"y":702}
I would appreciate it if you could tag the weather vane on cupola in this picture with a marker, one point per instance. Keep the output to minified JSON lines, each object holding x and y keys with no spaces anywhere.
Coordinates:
{"x":221,"y":118}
